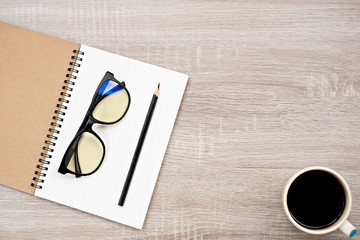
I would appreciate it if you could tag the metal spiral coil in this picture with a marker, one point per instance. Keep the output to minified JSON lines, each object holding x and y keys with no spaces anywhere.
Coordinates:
{"x":58,"y":118}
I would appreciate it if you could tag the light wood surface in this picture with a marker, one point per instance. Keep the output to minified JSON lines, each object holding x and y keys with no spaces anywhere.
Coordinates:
{"x":274,"y":87}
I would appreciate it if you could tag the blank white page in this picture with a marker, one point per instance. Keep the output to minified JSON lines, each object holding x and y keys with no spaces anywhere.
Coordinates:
{"x":99,"y":193}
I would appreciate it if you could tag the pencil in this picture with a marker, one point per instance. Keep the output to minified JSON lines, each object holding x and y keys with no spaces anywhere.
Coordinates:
{"x":139,"y":146}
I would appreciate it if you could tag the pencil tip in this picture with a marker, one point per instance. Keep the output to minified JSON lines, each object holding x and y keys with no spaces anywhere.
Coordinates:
{"x":157,"y":90}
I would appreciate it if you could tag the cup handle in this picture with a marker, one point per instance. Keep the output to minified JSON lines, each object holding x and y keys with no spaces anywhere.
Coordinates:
{"x":348,"y":229}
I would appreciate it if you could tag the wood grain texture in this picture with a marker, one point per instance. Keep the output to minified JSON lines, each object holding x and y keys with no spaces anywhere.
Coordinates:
{"x":274,"y":87}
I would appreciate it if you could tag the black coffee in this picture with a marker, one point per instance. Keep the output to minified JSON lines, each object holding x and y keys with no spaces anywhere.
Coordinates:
{"x":316,"y":199}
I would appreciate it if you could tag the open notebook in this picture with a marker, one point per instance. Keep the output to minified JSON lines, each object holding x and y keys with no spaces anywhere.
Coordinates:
{"x":36,"y":70}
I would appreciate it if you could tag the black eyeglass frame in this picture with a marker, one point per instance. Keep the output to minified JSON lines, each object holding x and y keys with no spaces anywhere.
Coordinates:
{"x":86,"y":126}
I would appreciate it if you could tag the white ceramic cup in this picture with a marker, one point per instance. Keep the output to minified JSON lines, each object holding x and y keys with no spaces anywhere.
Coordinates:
{"x":341,"y":223}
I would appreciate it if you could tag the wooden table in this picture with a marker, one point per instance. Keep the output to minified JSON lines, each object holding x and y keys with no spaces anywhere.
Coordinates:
{"x":274,"y":87}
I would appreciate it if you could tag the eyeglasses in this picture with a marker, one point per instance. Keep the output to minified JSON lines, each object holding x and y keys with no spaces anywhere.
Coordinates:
{"x":108,"y":106}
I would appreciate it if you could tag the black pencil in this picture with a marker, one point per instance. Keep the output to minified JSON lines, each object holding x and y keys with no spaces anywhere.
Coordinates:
{"x":139,"y":146}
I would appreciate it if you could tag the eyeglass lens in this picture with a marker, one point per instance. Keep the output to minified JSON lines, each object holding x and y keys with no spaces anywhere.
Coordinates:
{"x":88,"y":153}
{"x":114,"y":101}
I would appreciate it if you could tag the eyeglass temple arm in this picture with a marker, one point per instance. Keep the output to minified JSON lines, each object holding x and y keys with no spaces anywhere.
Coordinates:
{"x":77,"y":164}
{"x":70,"y":153}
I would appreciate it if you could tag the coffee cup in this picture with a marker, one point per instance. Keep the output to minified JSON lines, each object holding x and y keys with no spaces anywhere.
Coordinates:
{"x":317,"y":200}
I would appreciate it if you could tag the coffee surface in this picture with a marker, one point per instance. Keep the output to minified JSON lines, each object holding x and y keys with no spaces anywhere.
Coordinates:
{"x":316,"y":199}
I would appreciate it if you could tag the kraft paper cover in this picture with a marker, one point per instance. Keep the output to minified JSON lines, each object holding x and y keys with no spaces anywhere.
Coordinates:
{"x":33,"y":69}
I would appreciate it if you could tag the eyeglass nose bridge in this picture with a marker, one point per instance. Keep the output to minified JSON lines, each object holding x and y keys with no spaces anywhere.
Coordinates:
{"x":88,"y":122}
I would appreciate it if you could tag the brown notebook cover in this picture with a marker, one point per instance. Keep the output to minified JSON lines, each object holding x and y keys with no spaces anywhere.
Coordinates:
{"x":33,"y":69}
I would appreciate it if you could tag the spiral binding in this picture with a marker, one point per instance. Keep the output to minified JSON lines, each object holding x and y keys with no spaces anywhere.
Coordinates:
{"x":58,"y":118}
